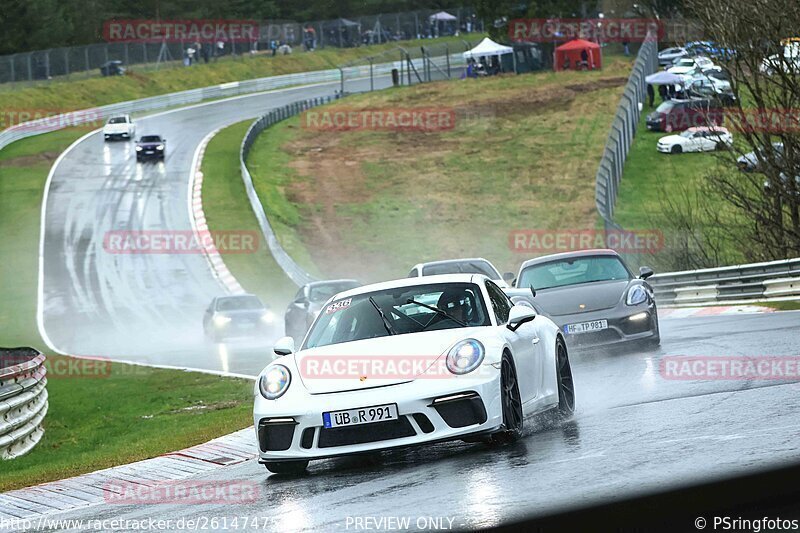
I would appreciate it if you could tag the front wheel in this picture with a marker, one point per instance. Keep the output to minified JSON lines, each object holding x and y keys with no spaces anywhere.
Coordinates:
{"x":566,"y":387}
{"x":286,"y":467}
{"x":676,"y":149}
{"x":511,"y":402}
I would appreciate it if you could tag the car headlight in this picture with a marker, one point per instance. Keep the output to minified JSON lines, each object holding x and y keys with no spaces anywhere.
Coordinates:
{"x":465,"y":356}
{"x":160,"y":147}
{"x":274,"y":382}
{"x":636,"y":295}
{"x":220,"y":320}
{"x":138,"y":148}
{"x":268,"y":317}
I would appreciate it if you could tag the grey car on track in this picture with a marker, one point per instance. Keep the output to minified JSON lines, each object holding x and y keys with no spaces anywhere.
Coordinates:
{"x":308,"y":302}
{"x":593,"y":297}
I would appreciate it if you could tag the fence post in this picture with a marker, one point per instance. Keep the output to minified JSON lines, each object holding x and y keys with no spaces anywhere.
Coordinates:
{"x":30,"y":68}
{"x":11,"y":62}
{"x":447,"y":58}
{"x":86,"y":57}
{"x":47,"y":64}
{"x":371,"y":78}
{"x":66,"y":61}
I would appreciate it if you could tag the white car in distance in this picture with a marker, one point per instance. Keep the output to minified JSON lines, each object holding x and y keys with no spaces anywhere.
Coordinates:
{"x":687,"y":65}
{"x":119,"y":126}
{"x":700,"y":139}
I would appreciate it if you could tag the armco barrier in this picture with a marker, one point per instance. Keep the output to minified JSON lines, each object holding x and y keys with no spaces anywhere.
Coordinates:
{"x":772,"y":281}
{"x":23,"y":400}
{"x":294,"y":271}
{"x":623,"y":129}
{"x":225,"y":90}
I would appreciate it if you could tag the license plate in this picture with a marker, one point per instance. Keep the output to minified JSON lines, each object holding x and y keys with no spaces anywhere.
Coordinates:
{"x":584,"y":327}
{"x":363,"y":415}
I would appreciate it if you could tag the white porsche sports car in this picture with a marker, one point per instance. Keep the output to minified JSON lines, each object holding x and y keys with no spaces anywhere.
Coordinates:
{"x":408,"y":362}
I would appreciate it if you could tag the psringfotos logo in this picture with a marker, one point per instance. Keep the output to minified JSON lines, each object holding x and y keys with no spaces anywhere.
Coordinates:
{"x":541,"y":241}
{"x":49,"y":119}
{"x":189,"y":492}
{"x":180,"y":242}
{"x":425,"y":119}
{"x":181,"y":31}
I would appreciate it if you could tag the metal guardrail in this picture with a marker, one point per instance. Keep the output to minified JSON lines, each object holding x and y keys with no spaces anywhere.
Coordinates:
{"x":294,"y":271}
{"x":773,"y":281}
{"x":225,"y":90}
{"x":623,"y":129}
{"x":23,"y":400}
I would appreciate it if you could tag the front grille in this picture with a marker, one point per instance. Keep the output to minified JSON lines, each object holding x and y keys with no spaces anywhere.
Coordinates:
{"x":346,"y":436}
{"x":275,"y":436}
{"x":423,"y":422}
{"x":462,"y":411}
{"x":307,"y":440}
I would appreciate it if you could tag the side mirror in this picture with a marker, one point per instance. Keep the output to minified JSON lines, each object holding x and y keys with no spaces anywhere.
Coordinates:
{"x":509,"y":278}
{"x":519,"y":315}
{"x":284,"y":346}
{"x":645,"y":272}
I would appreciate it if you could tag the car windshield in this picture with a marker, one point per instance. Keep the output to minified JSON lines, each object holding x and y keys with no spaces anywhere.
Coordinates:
{"x":687,"y":134}
{"x":239,"y":303}
{"x":405,"y":309}
{"x":150,"y":139}
{"x":685,"y":63}
{"x":573,"y":271}
{"x":461,"y":267}
{"x":320,"y":293}
{"x":118,"y":120}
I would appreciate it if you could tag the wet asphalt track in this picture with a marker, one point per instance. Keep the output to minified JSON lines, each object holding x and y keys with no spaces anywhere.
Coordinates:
{"x":141,"y":307}
{"x":633,"y":432}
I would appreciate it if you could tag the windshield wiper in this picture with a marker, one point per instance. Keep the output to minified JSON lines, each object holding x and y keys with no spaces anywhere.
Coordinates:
{"x":386,"y":323}
{"x":438,"y":311}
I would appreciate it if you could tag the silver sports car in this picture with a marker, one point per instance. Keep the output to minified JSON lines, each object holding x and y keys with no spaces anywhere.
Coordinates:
{"x":593,"y":297}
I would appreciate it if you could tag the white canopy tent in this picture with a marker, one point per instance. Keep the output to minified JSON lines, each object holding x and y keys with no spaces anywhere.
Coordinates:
{"x":664,"y":78}
{"x":488,"y":47}
{"x":443,"y":15}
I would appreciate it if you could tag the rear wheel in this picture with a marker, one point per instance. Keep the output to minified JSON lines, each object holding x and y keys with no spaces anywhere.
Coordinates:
{"x":566,"y":387}
{"x":286,"y":467}
{"x":511,"y":402}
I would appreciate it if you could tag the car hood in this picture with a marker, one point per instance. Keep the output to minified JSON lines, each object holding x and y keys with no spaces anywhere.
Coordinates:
{"x":149,"y":145}
{"x":593,"y":296}
{"x":242,"y":313}
{"x":671,"y":139}
{"x":123,"y":126}
{"x":341,"y":367}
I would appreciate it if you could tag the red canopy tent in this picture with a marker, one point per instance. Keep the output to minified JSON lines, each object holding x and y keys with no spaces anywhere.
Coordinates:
{"x":568,"y":55}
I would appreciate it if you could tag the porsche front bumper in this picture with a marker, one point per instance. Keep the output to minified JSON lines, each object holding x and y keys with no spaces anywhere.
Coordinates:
{"x":429,"y":410}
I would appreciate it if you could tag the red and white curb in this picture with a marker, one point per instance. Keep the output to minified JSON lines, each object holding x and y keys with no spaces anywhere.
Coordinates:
{"x":96,"y":488}
{"x":718,"y":310}
{"x":200,"y":225}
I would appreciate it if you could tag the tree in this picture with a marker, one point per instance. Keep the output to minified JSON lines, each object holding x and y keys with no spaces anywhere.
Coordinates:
{"x":765,"y":76}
